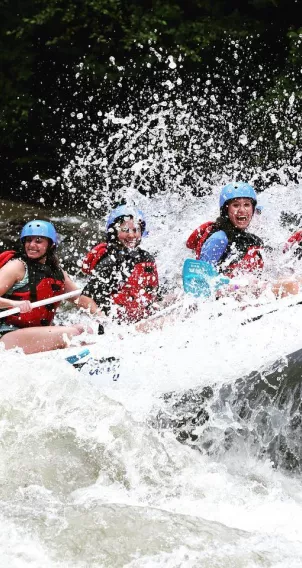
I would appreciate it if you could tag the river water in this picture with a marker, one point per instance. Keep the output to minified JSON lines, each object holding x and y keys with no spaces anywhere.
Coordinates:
{"x":89,"y":480}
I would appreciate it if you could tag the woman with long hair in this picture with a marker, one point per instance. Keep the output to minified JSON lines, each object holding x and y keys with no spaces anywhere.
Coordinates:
{"x":225,"y":243}
{"x":31,"y":275}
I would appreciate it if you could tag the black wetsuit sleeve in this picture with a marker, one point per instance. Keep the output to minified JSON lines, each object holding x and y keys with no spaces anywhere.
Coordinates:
{"x":102,"y":284}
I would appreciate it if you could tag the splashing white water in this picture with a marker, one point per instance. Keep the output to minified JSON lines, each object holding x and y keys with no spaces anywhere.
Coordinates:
{"x":85,"y":479}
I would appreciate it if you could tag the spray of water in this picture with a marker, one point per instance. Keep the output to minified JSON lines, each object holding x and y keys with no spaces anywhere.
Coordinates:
{"x":89,"y":477}
{"x":166,"y":129}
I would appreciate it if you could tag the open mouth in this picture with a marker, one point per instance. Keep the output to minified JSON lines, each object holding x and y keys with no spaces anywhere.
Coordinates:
{"x":33,"y":253}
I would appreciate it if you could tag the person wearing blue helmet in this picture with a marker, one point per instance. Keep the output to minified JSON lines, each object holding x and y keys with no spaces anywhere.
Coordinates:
{"x":124,"y":278}
{"x":225,"y":243}
{"x":126,"y":211}
{"x":31,"y":275}
{"x":40,"y":228}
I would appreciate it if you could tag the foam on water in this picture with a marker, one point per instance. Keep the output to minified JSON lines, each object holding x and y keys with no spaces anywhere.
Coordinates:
{"x":86,"y":482}
{"x":85,"y":478}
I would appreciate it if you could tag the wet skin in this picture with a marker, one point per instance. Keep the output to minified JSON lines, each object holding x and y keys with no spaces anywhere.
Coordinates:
{"x":129,"y":234}
{"x":36,"y":247}
{"x":240,"y":212}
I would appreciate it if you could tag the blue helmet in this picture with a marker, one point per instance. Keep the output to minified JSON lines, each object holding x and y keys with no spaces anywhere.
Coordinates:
{"x":39,"y":229}
{"x":235,"y":190}
{"x":127,"y":211}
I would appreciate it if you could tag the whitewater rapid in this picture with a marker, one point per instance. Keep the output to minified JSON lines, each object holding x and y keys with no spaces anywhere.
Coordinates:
{"x":86,"y":479}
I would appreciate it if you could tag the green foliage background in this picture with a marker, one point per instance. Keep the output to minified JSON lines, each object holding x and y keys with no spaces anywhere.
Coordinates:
{"x":45,"y":43}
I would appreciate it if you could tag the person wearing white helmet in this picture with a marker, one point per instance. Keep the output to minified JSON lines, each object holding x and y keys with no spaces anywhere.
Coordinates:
{"x":124,"y":278}
{"x":31,"y":275}
{"x":225,"y":243}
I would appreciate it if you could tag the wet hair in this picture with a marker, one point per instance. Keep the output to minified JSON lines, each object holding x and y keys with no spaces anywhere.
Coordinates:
{"x":52,"y":258}
{"x":223,"y":223}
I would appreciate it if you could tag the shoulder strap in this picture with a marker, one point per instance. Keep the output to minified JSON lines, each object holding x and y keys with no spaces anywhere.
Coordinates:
{"x":93,"y":257}
{"x":244,"y":243}
{"x":6,"y":256}
{"x":202,"y":231}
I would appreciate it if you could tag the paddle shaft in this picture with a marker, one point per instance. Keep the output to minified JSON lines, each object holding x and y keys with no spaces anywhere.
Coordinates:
{"x":45,"y":302}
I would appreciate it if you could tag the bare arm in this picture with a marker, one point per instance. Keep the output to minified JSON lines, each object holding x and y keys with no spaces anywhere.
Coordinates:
{"x":82,"y":301}
{"x":10,"y":273}
{"x":70,"y":285}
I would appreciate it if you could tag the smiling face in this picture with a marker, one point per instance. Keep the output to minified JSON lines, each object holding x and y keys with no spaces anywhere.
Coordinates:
{"x":129,"y":233}
{"x":240,"y":212}
{"x":36,"y":247}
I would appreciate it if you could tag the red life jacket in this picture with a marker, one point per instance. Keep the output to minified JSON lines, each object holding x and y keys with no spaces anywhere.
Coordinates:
{"x":43,"y":283}
{"x":92,"y":257}
{"x":197,"y":239}
{"x":137,"y":293}
{"x":6,"y":256}
{"x":251,"y":261}
{"x":294,"y":239}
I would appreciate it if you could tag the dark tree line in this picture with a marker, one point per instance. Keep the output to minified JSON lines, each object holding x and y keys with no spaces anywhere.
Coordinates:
{"x":63,"y":58}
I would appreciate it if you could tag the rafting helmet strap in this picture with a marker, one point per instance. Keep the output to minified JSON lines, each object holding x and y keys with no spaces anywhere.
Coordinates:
{"x":50,"y":247}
